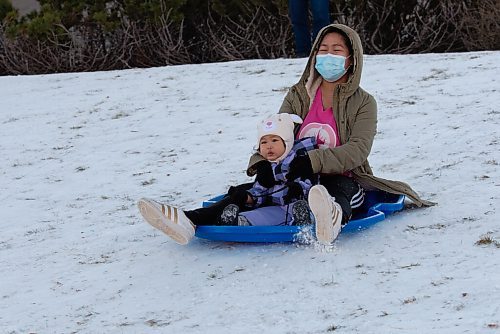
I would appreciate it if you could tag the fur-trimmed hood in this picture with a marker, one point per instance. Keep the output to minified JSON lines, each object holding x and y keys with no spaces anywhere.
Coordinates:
{"x":312,"y":79}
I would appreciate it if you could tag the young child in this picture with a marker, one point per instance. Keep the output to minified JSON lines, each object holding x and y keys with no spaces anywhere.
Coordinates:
{"x":270,"y":200}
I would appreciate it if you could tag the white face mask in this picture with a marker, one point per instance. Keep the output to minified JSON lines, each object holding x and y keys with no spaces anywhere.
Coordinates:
{"x":330,"y":67}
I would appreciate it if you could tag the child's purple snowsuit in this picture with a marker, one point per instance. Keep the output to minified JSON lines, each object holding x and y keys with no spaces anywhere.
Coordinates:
{"x":276,"y":214}
{"x":276,"y":193}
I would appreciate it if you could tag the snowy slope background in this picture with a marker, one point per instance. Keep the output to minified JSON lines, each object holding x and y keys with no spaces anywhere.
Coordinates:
{"x":79,"y":149}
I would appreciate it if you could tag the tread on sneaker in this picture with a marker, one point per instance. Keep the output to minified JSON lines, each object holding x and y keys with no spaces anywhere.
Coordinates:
{"x":168,"y":219}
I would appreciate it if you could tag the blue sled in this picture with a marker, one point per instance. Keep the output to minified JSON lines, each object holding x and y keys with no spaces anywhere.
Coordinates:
{"x":377,"y":205}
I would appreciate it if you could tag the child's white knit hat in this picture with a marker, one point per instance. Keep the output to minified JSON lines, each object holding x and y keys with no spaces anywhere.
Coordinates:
{"x":280,"y":125}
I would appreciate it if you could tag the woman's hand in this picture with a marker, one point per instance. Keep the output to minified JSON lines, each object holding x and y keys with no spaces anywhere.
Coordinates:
{"x":300,"y":167}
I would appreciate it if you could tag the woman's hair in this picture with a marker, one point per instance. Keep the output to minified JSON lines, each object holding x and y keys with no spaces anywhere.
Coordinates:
{"x":346,"y":39}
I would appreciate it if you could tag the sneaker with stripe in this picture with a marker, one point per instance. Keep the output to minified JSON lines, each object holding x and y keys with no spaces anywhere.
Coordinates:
{"x":168,"y":219}
{"x":327,"y":214}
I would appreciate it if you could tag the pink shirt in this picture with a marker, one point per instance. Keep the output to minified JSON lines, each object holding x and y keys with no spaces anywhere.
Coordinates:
{"x":320,"y":124}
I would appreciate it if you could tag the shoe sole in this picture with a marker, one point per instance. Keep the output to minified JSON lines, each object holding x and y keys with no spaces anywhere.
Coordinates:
{"x":157,"y":219}
{"x":327,"y":227}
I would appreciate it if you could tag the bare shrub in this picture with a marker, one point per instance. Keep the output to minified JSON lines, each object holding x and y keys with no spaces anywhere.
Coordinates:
{"x":420,"y":26}
{"x":243,"y":30}
{"x":480,"y":27}
{"x":261,"y":34}
{"x":159,"y":44}
{"x":431,"y":29}
{"x":90,"y":48}
{"x":82,"y":49}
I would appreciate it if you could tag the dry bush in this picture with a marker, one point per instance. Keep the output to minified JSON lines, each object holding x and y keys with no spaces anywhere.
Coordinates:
{"x":82,"y":49}
{"x":430,"y":29}
{"x":392,"y":27}
{"x":159,"y":44}
{"x":258,"y":31}
{"x":89,"y":48}
{"x":422,"y":26}
{"x":261,"y":34}
{"x":480,"y":26}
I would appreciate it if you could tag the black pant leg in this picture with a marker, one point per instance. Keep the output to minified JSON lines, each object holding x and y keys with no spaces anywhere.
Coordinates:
{"x":211,"y":214}
{"x":343,"y":188}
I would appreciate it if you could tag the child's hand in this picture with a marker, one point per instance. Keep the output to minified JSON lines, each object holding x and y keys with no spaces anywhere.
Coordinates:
{"x":240,"y":197}
{"x":265,"y":175}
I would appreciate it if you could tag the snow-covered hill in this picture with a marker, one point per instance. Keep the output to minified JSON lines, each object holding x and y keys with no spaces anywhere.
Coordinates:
{"x":79,"y":149}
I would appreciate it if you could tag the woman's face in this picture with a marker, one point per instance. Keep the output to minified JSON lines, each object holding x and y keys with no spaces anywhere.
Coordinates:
{"x":334,"y":44}
{"x":271,"y":147}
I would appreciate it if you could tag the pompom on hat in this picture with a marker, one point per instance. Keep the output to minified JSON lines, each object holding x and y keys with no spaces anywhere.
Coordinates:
{"x":281,"y":125}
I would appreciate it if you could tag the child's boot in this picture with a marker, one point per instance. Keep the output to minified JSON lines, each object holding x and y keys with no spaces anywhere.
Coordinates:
{"x":229,"y":216}
{"x":301,"y":213}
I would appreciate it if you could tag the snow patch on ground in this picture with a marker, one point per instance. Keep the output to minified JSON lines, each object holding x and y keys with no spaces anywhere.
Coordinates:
{"x":79,"y":149}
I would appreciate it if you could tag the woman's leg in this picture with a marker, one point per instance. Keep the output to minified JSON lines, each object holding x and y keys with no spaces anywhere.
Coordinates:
{"x":347,"y":192}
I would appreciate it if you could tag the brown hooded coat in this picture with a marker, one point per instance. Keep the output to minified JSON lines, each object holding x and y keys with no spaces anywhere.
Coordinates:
{"x":355,"y":113}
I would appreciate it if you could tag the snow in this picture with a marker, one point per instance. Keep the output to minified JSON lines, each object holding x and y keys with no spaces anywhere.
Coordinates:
{"x":78,"y":150}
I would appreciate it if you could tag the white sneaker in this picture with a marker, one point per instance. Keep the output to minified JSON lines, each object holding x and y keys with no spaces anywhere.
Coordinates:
{"x":327,"y":214}
{"x":168,"y":219}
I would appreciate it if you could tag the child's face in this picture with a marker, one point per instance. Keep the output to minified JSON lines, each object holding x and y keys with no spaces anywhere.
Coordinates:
{"x":271,"y":147}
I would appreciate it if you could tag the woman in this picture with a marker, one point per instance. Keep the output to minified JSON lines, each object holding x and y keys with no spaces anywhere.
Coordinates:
{"x":343,"y":118}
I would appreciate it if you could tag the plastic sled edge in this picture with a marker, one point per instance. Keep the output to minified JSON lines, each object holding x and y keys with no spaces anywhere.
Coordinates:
{"x":377,"y":206}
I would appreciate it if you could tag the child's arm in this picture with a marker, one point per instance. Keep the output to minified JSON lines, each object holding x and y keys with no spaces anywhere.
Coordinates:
{"x":265,"y":174}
